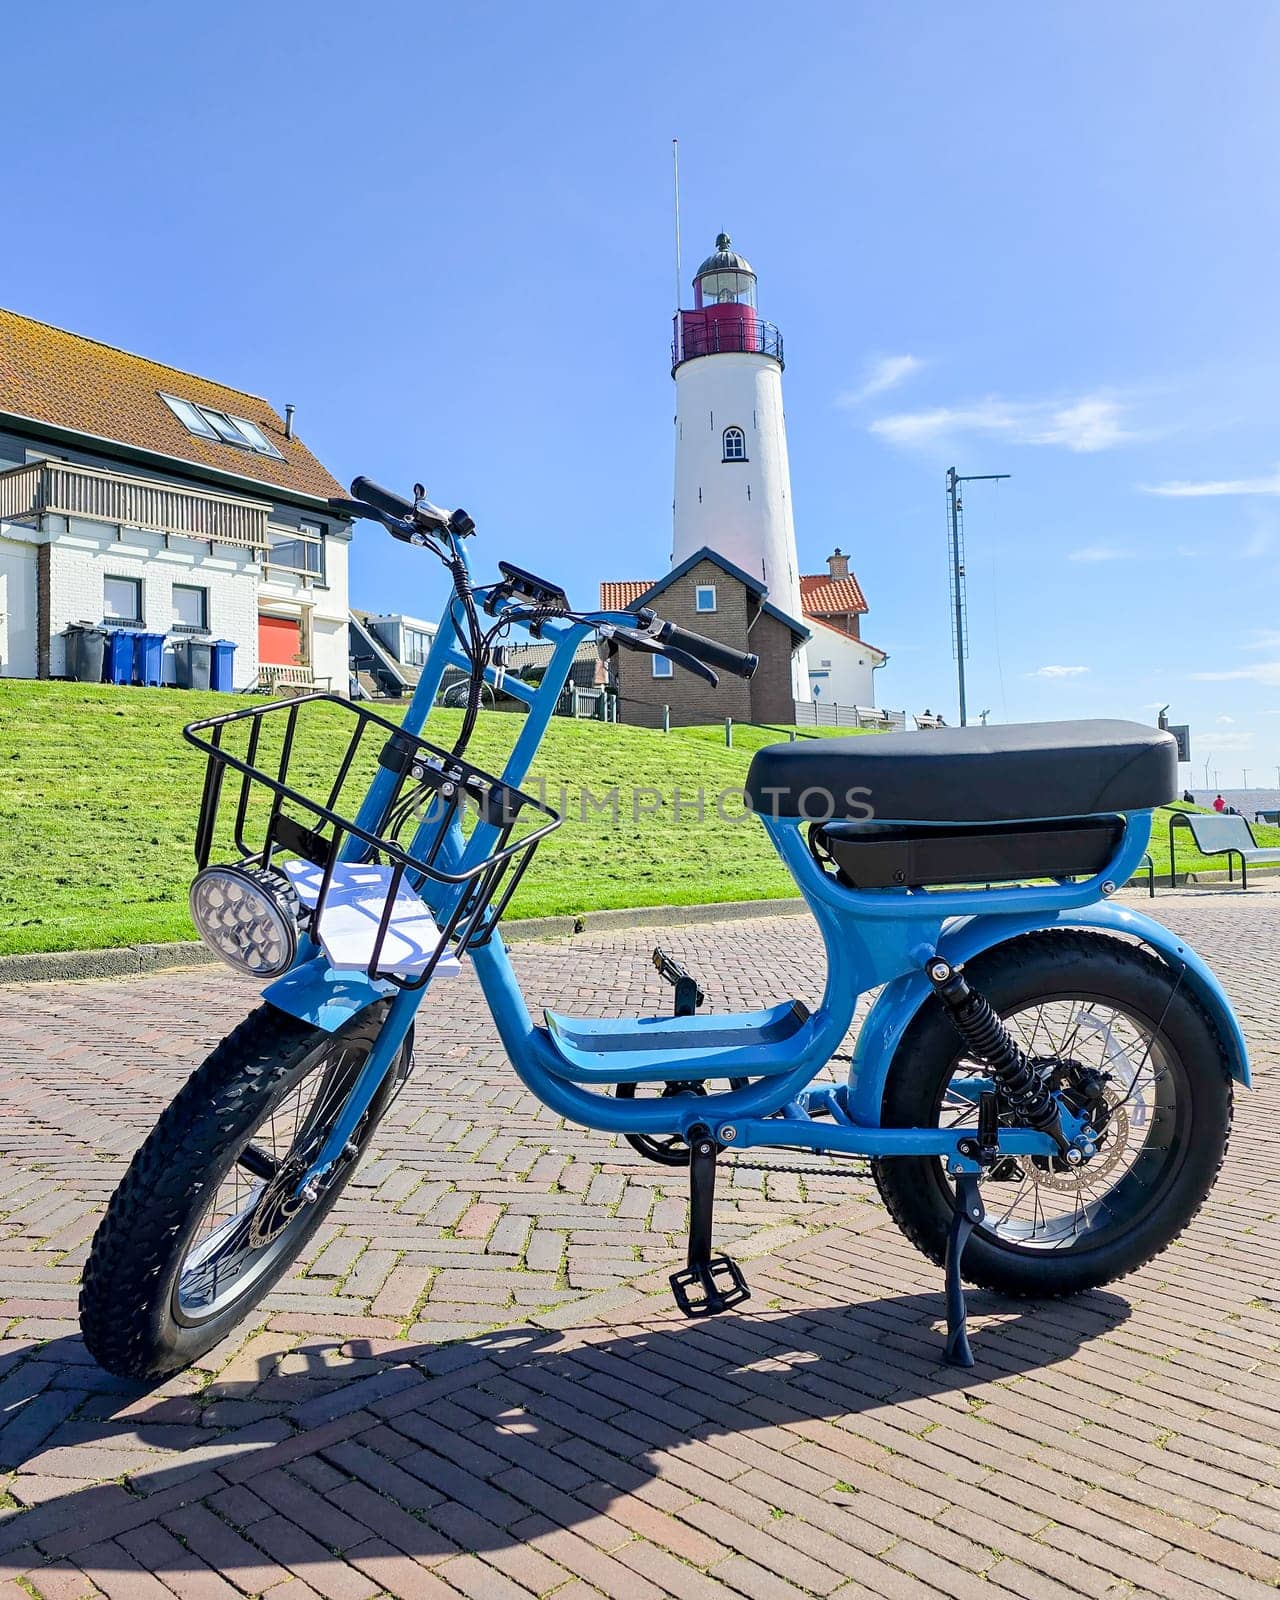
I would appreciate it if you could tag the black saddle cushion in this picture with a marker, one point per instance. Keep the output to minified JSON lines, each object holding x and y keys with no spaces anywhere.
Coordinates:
{"x":1012,"y":773}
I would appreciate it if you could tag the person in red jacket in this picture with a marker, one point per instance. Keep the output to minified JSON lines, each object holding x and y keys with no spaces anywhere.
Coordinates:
{"x":1219,"y":804}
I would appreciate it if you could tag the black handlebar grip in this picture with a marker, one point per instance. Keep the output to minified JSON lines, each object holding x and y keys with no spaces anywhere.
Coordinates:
{"x":740,"y":662}
{"x":395,"y":505}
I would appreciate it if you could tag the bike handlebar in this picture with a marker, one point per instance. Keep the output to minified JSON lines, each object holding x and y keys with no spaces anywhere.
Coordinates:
{"x":373,"y":494}
{"x":741,"y":663}
{"x":412,"y":519}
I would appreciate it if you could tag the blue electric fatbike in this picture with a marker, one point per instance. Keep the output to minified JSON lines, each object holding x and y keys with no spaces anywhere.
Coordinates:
{"x":1043,"y":1083}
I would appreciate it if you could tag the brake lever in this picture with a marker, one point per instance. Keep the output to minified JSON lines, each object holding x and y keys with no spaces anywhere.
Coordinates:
{"x":633,"y":639}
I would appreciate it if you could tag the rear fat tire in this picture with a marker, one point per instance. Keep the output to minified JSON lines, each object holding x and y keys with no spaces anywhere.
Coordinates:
{"x":127,"y":1296}
{"x":1047,"y":966}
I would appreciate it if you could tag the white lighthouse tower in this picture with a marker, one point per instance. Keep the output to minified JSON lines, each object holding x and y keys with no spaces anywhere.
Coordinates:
{"x":733,"y":478}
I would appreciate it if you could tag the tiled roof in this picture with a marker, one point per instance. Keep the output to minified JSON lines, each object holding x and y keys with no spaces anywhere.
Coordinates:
{"x":61,"y":378}
{"x":619,"y":595}
{"x":822,"y":595}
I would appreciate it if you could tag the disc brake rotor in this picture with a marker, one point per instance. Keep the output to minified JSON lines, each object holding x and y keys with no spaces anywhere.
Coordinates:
{"x":1111,"y":1145}
{"x":277,"y":1205}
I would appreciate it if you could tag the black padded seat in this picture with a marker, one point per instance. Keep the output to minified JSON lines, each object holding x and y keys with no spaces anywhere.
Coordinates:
{"x":1013,"y":773}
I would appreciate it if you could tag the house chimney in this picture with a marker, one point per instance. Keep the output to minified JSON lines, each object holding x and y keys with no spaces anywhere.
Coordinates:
{"x":837,"y":563}
{"x":288,"y":425}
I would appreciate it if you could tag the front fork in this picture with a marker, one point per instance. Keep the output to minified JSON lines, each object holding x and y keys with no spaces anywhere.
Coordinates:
{"x":381,"y":1060}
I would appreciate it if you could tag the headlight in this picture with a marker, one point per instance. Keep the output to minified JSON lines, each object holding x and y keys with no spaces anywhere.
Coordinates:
{"x":248,"y":916}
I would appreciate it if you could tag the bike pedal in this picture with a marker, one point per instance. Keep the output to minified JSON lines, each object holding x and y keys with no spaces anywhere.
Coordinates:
{"x":720,"y":1283}
{"x":689,"y":992}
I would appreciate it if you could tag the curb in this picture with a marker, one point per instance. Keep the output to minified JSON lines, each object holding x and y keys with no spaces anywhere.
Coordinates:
{"x":129,"y":961}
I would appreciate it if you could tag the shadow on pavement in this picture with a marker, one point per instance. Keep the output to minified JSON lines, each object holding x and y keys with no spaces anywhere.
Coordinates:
{"x":434,"y":1449}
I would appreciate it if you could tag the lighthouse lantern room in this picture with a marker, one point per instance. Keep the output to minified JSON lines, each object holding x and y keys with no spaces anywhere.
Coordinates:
{"x":733,"y":477}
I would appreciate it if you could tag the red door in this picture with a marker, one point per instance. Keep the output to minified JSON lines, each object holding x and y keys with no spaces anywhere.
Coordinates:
{"x":279,"y":641}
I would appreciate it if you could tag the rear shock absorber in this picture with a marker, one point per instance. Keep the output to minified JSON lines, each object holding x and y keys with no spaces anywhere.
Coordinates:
{"x":1016,"y":1079}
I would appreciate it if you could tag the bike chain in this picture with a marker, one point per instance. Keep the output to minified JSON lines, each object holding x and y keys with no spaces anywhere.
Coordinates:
{"x":831,"y":1169}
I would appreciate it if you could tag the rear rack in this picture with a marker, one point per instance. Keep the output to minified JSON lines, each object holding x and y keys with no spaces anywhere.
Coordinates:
{"x":431,"y":789}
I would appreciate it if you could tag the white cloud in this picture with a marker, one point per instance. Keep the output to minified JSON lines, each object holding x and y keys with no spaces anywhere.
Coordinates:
{"x":1189,"y":489}
{"x":1091,"y":423}
{"x":1225,"y":741}
{"x":1264,"y":639}
{"x":886,"y":373}
{"x":1098,"y":552}
{"x":1265,"y":672}
{"x":1227,"y":721}
{"x":1085,"y":426}
{"x":1057,"y":672}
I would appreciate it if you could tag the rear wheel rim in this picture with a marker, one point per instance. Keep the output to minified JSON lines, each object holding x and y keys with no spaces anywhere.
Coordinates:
{"x":1038,"y":1206}
{"x":252,"y":1219}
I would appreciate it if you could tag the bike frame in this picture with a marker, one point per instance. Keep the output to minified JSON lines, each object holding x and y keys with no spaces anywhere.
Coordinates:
{"x":872,"y":938}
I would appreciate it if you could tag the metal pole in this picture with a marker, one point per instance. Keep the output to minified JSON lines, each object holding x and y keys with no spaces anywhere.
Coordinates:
{"x":957,"y":590}
{"x":675,"y":165}
{"x":954,"y":480}
{"x":728,"y":732}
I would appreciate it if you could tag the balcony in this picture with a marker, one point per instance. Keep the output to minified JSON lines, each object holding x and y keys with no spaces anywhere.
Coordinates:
{"x":710,"y":332}
{"x":61,"y":489}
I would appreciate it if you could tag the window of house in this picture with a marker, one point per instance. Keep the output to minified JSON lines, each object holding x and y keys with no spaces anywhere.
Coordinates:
{"x":297,"y":552}
{"x":190,"y":607}
{"x":662,"y":668}
{"x":222,"y":426}
{"x":122,"y":600}
{"x":735,"y":444}
{"x":416,"y":645}
{"x":704,"y":597}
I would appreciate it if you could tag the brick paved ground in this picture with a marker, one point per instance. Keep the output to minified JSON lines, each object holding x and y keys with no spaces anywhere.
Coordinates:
{"x":472,"y":1388}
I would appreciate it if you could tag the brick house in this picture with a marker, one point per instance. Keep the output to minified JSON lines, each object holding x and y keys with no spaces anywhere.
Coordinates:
{"x":709,"y":595}
{"x":141,"y":496}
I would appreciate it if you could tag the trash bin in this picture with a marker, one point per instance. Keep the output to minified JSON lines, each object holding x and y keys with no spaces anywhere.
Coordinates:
{"x":223,"y":652}
{"x":119,"y":654}
{"x":85,"y":646}
{"x":193,"y":658}
{"x":148,"y":658}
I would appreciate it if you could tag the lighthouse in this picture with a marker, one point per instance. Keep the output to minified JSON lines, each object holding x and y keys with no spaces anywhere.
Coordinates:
{"x":733,"y":478}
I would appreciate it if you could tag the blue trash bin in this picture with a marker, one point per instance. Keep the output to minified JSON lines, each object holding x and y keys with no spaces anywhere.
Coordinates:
{"x":148,"y":658}
{"x":118,"y":666}
{"x":220,"y":675}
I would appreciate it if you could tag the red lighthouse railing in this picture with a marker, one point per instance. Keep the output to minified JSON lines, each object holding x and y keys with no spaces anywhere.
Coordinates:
{"x":721,"y":329}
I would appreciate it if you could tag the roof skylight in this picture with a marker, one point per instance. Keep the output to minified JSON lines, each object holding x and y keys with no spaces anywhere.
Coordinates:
{"x":221,"y":426}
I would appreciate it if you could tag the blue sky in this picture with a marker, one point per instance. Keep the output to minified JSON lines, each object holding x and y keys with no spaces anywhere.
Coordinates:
{"x":1031,"y":239}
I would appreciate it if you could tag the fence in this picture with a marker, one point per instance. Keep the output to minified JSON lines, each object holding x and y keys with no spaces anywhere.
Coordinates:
{"x":820,"y":714}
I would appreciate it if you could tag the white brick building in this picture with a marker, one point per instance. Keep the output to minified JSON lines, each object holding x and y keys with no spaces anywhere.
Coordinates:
{"x":138,"y":496}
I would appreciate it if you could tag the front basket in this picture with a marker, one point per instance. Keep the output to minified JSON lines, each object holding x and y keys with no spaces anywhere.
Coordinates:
{"x":368,"y":883}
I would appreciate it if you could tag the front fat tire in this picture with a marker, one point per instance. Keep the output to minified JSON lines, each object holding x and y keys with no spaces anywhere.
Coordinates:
{"x":127,"y":1295}
{"x":1057,"y":964}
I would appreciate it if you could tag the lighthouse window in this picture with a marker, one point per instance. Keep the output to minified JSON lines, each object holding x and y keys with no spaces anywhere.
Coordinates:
{"x":735,"y":444}
{"x":662,"y":668}
{"x":704,"y":597}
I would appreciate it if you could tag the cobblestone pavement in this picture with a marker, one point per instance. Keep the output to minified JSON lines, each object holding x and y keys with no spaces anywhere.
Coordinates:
{"x":475,"y":1384}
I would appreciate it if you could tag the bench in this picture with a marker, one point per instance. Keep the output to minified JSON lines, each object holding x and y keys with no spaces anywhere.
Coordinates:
{"x":1219,"y":835}
{"x":871,"y":717}
{"x":930,"y":720}
{"x":1273,"y":817}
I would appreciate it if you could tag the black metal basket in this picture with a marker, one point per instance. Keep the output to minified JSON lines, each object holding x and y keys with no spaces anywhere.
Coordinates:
{"x":275,"y":816}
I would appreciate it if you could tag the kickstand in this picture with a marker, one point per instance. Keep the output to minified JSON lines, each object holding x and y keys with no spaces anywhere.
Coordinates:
{"x":717,"y":1280}
{"x":968,"y":1212}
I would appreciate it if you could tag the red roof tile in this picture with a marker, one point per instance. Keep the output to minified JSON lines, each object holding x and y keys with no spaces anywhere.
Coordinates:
{"x":617,"y":596}
{"x":823,"y":595}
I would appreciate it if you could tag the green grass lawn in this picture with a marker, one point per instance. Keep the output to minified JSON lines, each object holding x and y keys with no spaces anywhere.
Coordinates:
{"x":99,"y":794}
